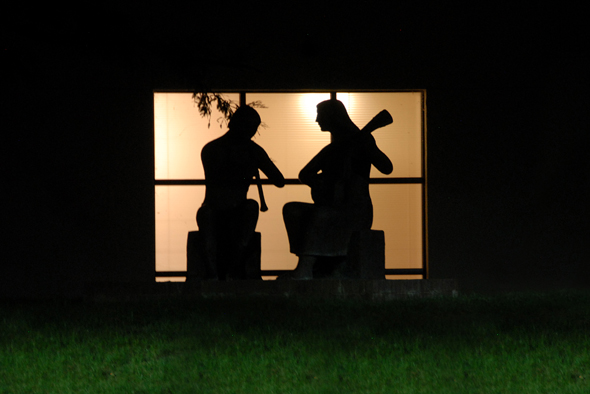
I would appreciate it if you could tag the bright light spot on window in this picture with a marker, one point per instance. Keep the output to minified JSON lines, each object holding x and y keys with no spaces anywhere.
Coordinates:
{"x":308,"y":103}
{"x":291,"y":140}
{"x":344,"y":98}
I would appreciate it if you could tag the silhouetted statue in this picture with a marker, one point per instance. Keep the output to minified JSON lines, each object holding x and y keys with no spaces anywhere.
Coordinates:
{"x":227,"y":217}
{"x":339,"y":179}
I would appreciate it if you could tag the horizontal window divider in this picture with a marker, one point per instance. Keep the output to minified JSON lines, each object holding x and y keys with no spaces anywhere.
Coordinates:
{"x":388,"y":271}
{"x":290,"y":181}
{"x":375,"y":181}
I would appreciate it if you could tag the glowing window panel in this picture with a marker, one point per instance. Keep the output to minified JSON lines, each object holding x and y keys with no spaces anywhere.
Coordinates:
{"x":291,"y":137}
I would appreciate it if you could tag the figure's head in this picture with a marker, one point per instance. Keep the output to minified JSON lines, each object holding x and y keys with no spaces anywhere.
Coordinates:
{"x":332,"y":116}
{"x":245,"y":121}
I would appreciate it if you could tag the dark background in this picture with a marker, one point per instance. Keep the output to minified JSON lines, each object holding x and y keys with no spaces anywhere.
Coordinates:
{"x":506,"y":102}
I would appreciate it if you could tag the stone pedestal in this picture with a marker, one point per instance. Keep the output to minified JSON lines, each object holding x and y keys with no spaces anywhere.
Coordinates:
{"x":340,"y":289}
{"x":366,"y":255}
{"x":365,"y":259}
{"x":197,"y":265}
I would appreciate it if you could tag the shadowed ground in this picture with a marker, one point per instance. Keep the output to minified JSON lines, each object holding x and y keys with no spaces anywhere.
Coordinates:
{"x":527,"y":343}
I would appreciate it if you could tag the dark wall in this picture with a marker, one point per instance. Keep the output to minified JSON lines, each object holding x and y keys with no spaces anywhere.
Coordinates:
{"x":79,"y":159}
{"x":507,"y":164}
{"x":508,"y":187}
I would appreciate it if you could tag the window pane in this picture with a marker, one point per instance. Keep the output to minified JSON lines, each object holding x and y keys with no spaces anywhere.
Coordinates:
{"x":402,"y":140}
{"x":180,"y":133}
{"x":397,"y":211}
{"x":275,"y":244}
{"x":176,"y":209}
{"x":291,"y":136}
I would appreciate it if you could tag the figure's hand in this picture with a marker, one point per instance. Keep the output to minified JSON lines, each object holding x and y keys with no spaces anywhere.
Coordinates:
{"x":310,"y":172}
{"x":268,"y":167}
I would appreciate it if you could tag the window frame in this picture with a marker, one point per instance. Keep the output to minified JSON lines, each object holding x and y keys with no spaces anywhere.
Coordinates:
{"x":422,"y":180}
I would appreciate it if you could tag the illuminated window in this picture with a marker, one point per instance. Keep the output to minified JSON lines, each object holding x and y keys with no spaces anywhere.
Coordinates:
{"x":291,"y":137}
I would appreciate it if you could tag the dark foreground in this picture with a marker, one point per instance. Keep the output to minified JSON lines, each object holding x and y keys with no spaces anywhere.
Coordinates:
{"x":528,"y":343}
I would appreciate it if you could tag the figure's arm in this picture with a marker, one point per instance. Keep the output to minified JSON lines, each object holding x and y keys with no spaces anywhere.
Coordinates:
{"x":376,"y":155}
{"x":269,"y":168}
{"x":309,"y":174}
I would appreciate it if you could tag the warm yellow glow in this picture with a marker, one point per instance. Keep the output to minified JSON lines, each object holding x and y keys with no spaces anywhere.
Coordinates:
{"x":344,"y":98}
{"x":308,"y":103}
{"x":176,"y":208}
{"x":398,"y":212}
{"x":403,"y":277}
{"x":291,"y":139}
{"x":292,"y":136}
{"x":170,"y":279}
{"x":180,"y":132}
{"x":401,"y":140}
{"x":275,"y":244}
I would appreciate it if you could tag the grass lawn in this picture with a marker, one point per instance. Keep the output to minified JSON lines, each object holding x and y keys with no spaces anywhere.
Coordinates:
{"x":535,"y":343}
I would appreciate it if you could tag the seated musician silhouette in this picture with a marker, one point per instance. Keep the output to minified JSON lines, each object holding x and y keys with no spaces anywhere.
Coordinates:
{"x":227,"y":218}
{"x":339,"y":179}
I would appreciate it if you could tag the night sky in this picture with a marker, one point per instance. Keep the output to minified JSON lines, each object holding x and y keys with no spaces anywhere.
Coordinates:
{"x":507,"y":162}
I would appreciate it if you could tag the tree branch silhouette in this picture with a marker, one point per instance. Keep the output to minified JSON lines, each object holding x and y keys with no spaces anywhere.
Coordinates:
{"x":206,"y":101}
